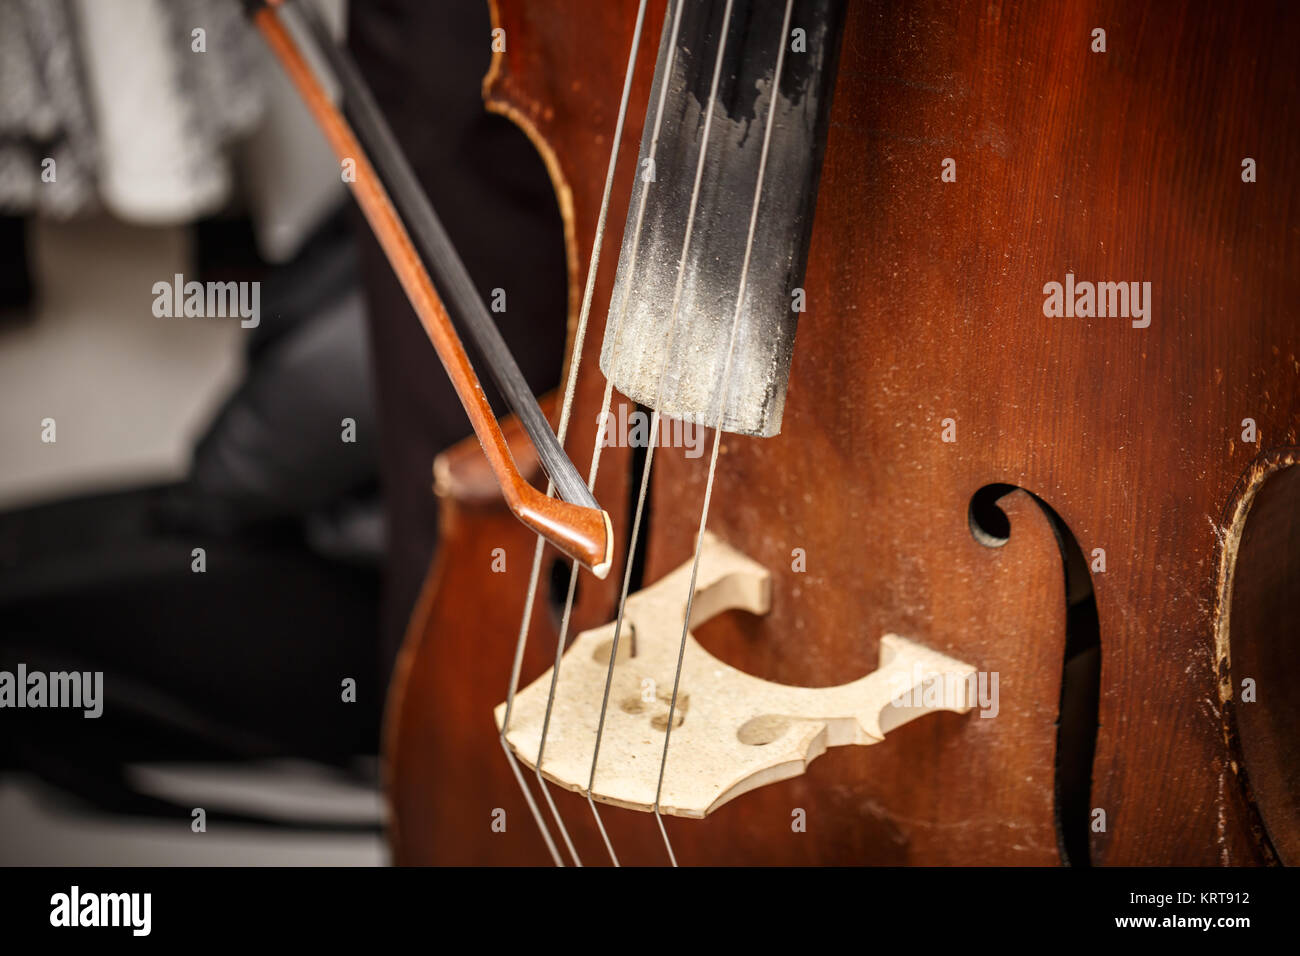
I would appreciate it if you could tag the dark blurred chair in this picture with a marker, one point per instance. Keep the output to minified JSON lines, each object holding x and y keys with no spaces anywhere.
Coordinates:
{"x":246,"y":659}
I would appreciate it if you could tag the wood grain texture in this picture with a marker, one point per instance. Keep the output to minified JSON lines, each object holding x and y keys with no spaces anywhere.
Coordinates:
{"x":926,"y":303}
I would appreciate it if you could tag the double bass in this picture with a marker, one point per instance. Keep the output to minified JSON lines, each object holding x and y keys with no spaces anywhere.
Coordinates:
{"x":987,"y":314}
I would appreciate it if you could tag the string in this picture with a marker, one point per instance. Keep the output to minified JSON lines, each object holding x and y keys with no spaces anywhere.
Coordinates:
{"x":655,"y":422}
{"x":580,"y":334}
{"x":606,"y":404}
{"x":717,"y":431}
{"x":655,"y":417}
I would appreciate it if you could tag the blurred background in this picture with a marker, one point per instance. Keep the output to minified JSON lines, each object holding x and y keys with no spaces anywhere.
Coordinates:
{"x":229,"y":519}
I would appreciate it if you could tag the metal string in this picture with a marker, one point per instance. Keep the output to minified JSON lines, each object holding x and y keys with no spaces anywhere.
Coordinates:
{"x":717,"y":431}
{"x":606,"y":404}
{"x":654,"y":421}
{"x":579,"y":338}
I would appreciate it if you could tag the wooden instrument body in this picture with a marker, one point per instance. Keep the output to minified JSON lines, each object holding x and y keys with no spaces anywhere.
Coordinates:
{"x":925,"y":303}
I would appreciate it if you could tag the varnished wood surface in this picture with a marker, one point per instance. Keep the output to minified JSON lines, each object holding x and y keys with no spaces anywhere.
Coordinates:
{"x":925,"y":303}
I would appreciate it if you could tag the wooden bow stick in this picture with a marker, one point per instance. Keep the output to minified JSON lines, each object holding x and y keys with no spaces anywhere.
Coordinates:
{"x":573,"y":523}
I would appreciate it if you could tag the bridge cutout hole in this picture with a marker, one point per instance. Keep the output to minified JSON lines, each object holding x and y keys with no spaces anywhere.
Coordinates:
{"x":763,"y":730}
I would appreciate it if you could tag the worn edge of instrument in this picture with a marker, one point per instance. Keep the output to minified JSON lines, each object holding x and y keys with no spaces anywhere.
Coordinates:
{"x":495,"y":100}
{"x":1236,"y":512}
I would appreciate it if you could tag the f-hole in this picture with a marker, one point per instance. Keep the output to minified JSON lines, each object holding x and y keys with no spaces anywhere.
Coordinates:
{"x":1258,"y":635}
{"x":1076,"y":736}
{"x":637,"y":465}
